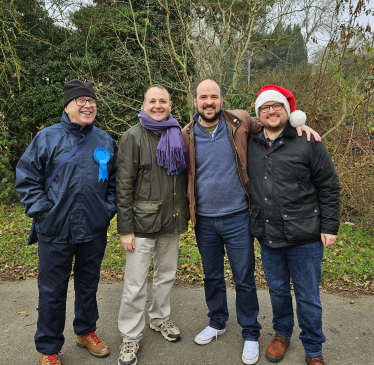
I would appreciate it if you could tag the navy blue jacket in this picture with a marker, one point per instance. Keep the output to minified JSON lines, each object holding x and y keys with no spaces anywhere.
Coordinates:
{"x":78,"y":207}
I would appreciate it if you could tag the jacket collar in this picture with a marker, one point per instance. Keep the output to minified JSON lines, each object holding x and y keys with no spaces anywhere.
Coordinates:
{"x":196,"y":116}
{"x":154,"y":135}
{"x":74,"y":127}
{"x":289,"y":131}
{"x":232,"y":118}
{"x":228,"y":115}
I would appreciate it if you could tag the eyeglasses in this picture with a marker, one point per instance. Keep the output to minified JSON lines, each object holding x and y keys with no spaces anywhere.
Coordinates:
{"x":276,"y":107}
{"x":83,"y":101}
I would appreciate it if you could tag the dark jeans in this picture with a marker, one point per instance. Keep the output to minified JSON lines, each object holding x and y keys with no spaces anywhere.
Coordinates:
{"x":55,"y":263}
{"x":302,"y":263}
{"x":213,"y":234}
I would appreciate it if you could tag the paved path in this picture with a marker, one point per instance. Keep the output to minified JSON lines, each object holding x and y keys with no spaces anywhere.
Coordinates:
{"x":348,"y":326}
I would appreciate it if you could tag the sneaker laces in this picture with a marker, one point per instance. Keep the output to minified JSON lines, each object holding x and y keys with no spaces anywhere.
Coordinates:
{"x":317,"y":359}
{"x":212,"y":330}
{"x":251,"y":347}
{"x":168,"y":324}
{"x":128,"y":347}
{"x":278,"y":338}
{"x":53,"y":359}
{"x":94,"y":337}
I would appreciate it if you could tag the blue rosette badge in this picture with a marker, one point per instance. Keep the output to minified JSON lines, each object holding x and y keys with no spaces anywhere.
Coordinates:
{"x":102,"y":157}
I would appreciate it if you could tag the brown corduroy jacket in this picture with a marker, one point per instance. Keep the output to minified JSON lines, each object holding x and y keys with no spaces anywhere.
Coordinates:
{"x":239,"y":126}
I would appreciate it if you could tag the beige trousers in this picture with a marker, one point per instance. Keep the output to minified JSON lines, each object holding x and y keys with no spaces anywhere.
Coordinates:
{"x":131,"y":318}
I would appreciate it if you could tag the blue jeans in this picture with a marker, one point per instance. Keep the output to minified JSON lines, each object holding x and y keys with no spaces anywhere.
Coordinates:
{"x":213,"y":234}
{"x":302,"y":263}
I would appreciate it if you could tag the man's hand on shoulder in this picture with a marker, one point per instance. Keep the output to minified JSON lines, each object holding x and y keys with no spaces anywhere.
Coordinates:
{"x":128,"y":241}
{"x":328,"y":239}
{"x":304,"y":128}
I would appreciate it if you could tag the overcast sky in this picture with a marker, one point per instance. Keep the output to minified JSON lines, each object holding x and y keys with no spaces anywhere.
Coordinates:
{"x":364,"y":19}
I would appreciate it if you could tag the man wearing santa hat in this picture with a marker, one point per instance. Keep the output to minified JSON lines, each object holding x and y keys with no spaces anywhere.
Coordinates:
{"x":294,"y":190}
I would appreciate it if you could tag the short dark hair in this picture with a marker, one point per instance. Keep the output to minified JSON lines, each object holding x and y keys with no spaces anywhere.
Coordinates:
{"x":195,"y":92}
{"x":160,"y":87}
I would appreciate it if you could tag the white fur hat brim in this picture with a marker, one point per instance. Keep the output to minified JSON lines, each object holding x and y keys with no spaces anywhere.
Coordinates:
{"x":271,"y":95}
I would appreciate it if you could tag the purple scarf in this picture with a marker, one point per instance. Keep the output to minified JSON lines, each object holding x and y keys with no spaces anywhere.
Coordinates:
{"x":171,"y":152}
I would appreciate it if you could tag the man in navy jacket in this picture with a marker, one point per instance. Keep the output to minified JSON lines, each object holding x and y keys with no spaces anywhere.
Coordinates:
{"x":71,"y":219}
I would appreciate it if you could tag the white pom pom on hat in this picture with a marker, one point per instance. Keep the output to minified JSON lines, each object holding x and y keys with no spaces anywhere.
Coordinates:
{"x":284,"y":96}
{"x":298,"y":117}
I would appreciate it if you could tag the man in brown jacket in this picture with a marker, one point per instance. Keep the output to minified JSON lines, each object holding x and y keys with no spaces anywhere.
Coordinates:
{"x":216,"y":141}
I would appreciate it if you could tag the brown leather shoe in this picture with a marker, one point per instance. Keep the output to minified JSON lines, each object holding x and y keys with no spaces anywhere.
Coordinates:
{"x":276,"y":348}
{"x":51,"y":359}
{"x":96,"y":347}
{"x":315,"y":360}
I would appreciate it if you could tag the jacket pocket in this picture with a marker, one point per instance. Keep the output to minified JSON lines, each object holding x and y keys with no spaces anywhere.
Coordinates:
{"x":46,"y":222}
{"x":257,"y":225}
{"x":147,"y":216}
{"x":47,"y":207}
{"x":92,"y":215}
{"x":39,"y":208}
{"x":301,"y":222}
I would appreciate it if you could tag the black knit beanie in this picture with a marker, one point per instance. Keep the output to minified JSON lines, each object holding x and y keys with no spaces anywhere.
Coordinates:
{"x":76,"y":88}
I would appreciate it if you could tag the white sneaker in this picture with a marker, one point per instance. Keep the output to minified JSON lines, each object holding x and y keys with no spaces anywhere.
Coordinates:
{"x":207,"y":335}
{"x":250,"y":352}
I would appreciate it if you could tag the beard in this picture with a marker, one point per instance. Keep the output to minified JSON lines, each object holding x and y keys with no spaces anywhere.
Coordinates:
{"x":207,"y":119}
{"x":274,"y":128}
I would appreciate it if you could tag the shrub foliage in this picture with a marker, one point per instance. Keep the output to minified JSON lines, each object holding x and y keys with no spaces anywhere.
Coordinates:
{"x":122,"y":47}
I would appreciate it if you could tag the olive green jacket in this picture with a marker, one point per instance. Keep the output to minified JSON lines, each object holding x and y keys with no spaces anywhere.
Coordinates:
{"x":150,"y":203}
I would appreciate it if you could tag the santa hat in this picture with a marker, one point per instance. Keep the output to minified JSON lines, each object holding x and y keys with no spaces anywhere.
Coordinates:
{"x":284,"y":96}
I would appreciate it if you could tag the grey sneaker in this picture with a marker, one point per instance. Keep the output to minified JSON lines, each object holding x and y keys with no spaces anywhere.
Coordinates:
{"x":168,"y":330}
{"x":127,"y":355}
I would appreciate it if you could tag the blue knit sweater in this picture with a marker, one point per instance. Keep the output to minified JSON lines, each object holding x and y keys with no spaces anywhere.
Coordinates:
{"x":219,"y":191}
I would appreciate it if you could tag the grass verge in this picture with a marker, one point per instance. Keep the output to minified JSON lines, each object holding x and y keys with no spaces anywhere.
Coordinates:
{"x":347,"y":266}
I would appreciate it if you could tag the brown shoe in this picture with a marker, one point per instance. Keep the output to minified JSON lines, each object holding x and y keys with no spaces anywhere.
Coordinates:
{"x":315,"y":360}
{"x":96,"y":347}
{"x":51,"y":359}
{"x":276,"y":348}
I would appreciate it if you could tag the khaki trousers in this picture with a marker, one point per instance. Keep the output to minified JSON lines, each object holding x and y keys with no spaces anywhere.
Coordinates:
{"x":131,"y":318}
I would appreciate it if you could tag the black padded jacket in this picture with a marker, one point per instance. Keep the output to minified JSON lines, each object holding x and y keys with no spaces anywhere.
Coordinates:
{"x":294,"y":190}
